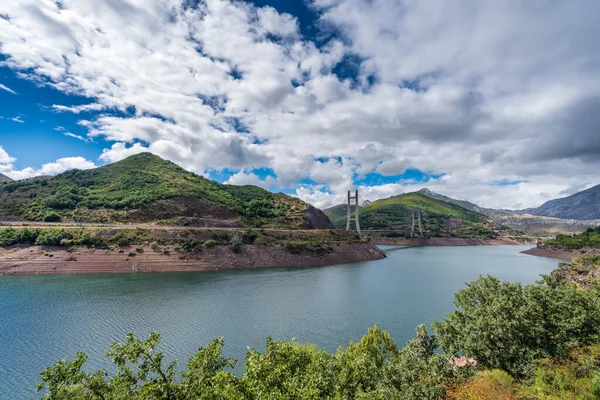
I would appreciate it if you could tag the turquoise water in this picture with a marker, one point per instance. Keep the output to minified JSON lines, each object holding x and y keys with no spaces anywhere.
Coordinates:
{"x":46,"y":318}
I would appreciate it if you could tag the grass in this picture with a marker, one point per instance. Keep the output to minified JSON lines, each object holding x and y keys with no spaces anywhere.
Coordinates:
{"x":113,"y":192}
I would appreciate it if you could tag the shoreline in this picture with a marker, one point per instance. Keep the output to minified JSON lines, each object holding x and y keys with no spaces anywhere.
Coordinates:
{"x":560,"y":254}
{"x":450,"y":241}
{"x":36,"y":260}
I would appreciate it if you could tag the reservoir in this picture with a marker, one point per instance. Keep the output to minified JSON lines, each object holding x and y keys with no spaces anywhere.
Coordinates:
{"x":46,"y":318}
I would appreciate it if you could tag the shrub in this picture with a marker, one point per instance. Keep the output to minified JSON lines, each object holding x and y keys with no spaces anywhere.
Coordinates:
{"x":154,"y":245}
{"x":210,"y":243}
{"x":536,"y":321}
{"x":52,"y":217}
{"x":236,"y":244}
{"x":167,"y":253}
{"x":294,"y":246}
{"x":52,"y":237}
{"x":139,"y":250}
{"x":131,"y":254}
{"x":191,"y":245}
{"x":10,"y":236}
{"x":249,"y":236}
{"x":220,"y":236}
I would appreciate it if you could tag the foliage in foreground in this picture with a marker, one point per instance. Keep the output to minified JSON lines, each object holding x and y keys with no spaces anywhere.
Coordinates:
{"x":509,"y":326}
{"x":371,"y":368}
{"x":516,"y":342}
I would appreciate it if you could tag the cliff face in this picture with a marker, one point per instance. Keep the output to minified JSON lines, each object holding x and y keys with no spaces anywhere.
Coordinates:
{"x":584,"y":205}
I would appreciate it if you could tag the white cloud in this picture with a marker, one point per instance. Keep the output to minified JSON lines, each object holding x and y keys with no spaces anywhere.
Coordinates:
{"x":53,"y":168}
{"x":18,"y":119}
{"x":79,"y":137}
{"x":5,"y":158}
{"x":6,"y":88}
{"x":471,"y":89}
{"x":249,"y":178}
{"x":78,"y":109}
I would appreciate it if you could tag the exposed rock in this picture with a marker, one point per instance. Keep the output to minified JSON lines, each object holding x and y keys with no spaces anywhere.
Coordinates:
{"x":4,"y":178}
{"x":584,"y":205}
{"x":582,"y":272}
{"x":316,"y":219}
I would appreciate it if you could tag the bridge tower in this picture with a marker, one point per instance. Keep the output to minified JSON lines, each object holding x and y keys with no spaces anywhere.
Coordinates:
{"x":416,"y":218}
{"x":355,"y":218}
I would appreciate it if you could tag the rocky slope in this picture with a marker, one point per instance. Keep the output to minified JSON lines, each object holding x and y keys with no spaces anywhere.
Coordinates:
{"x":146,"y":188}
{"x":582,"y":272}
{"x":4,"y":178}
{"x":584,"y":205}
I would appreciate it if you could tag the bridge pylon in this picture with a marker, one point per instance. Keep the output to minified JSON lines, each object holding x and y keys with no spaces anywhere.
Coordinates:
{"x":349,"y":217}
{"x":415,"y":214}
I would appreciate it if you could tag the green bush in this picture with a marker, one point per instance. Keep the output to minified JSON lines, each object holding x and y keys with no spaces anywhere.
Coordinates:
{"x":52,"y":217}
{"x":236,"y":244}
{"x":294,"y":246}
{"x":507,"y":326}
{"x":373,"y":368}
{"x":52,"y":237}
{"x":154,"y":245}
{"x":210,"y":243}
{"x":10,"y":236}
{"x":220,"y":236}
{"x":249,"y":236}
{"x":191,"y":245}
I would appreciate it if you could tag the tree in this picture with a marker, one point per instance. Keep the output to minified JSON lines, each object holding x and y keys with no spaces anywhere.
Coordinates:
{"x":507,"y":326}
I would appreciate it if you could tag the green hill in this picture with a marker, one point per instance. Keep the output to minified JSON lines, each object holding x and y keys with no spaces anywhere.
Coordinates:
{"x":394,"y":213}
{"x":146,"y":188}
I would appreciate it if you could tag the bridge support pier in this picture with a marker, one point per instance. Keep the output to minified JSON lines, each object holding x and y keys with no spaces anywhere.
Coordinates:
{"x":349,"y":215}
{"x":416,"y":213}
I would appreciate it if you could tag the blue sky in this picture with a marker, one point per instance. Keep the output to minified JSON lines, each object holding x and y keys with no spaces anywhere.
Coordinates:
{"x":311,"y":98}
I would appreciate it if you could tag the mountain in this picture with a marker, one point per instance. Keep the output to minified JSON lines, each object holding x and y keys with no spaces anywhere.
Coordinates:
{"x":462,"y":203}
{"x":4,"y":178}
{"x":533,"y":224}
{"x":394,"y":213}
{"x":584,"y":205}
{"x":146,"y":188}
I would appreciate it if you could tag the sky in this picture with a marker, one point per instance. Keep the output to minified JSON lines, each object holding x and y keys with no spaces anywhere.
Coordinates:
{"x":496,"y":102}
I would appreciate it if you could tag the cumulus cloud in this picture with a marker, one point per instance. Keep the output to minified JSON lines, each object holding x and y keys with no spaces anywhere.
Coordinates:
{"x":53,"y":168}
{"x":249,"y":178}
{"x":479,"y":92}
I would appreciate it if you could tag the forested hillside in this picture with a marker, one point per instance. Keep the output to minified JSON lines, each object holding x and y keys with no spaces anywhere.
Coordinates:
{"x":146,"y":188}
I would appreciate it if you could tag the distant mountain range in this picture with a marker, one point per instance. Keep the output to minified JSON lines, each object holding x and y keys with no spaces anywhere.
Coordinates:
{"x":146,"y":188}
{"x":584,"y":205}
{"x":4,"y":178}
